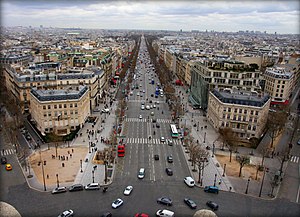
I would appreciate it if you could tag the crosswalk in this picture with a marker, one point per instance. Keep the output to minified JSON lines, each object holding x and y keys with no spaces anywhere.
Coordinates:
{"x":6,"y":152}
{"x":147,"y":120}
{"x":294,"y":159}
{"x":142,"y":100}
{"x":150,"y":141}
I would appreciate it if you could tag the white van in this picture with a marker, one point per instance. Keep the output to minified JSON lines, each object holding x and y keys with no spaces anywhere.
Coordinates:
{"x":189,"y":181}
{"x":165,"y":213}
{"x":141,"y":173}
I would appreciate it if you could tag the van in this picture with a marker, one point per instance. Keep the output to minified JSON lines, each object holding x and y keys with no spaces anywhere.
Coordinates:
{"x":211,"y":189}
{"x":141,"y":173}
{"x":189,"y":181}
{"x":165,"y":213}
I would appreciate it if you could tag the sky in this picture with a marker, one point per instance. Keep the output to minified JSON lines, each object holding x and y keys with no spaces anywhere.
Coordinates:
{"x":281,"y":16}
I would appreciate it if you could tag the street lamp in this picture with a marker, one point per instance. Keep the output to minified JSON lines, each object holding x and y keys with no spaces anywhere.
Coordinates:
{"x":105,"y":164}
{"x":215,"y":180}
{"x":262,"y":183}
{"x":246,"y":192}
{"x":224,"y":170}
{"x":43,"y":172}
{"x":81,"y":166}
{"x":93,"y":172}
{"x":213,"y":151}
{"x":57,"y":180}
{"x":204,"y":137}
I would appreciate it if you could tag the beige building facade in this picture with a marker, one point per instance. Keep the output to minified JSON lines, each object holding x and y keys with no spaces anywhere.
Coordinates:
{"x":243,"y":111}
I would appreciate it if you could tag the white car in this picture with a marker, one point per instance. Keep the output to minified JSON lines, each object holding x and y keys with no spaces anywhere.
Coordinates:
{"x":67,"y":213}
{"x":118,"y":202}
{"x":162,"y":139}
{"x":142,"y":107}
{"x":105,"y":110}
{"x":128,"y":190}
{"x":140,"y":117}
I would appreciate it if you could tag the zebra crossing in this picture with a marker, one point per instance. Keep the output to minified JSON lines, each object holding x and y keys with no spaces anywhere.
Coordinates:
{"x":147,"y":120}
{"x":6,"y":152}
{"x":150,"y":141}
{"x":294,"y":159}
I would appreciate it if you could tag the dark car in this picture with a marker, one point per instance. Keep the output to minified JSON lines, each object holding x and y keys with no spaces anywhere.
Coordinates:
{"x":3,"y":160}
{"x":76,"y":187}
{"x":190,"y":203}
{"x":157,"y":125}
{"x":106,"y":214}
{"x":170,"y":159}
{"x":214,"y":206}
{"x":156,"y":157}
{"x":169,"y":171}
{"x":154,"y":120}
{"x":165,"y":200}
{"x":298,"y":142}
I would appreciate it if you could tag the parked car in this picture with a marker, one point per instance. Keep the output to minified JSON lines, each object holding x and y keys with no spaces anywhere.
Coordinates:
{"x":118,"y":202}
{"x":157,"y":125}
{"x":76,"y":187}
{"x":165,"y":200}
{"x":169,"y":171}
{"x":141,"y":173}
{"x":67,"y":213}
{"x":190,"y":203}
{"x":298,"y":142}
{"x":128,"y":190}
{"x":140,"y":117}
{"x":8,"y":167}
{"x":3,"y":160}
{"x":211,"y":189}
{"x":156,"y":157}
{"x":92,"y":186}
{"x":59,"y":190}
{"x":165,"y":213}
{"x":105,"y":110}
{"x":214,"y":206}
{"x":170,"y":159}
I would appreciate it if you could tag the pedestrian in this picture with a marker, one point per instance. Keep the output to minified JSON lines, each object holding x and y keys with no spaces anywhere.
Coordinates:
{"x":70,"y":155}
{"x":47,"y":176}
{"x":58,"y":157}
{"x":67,"y":157}
{"x":72,"y":150}
{"x":68,"y":152}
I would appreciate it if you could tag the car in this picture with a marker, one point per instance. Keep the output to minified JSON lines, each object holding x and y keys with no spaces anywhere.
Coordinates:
{"x":190,"y":203}
{"x":118,"y":202}
{"x":58,"y":190}
{"x":162,"y":139}
{"x":131,"y":93}
{"x":152,"y":113}
{"x":154,"y":106}
{"x":169,"y":142}
{"x":106,"y":110}
{"x":211,"y":189}
{"x":147,"y":107}
{"x":141,"y":215}
{"x":141,"y":173}
{"x":67,"y":213}
{"x":153,"y":120}
{"x":169,"y":171}
{"x":137,"y":93}
{"x":76,"y":187}
{"x":170,"y":159}
{"x":141,"y":95}
{"x":3,"y":160}
{"x":156,"y":157}
{"x":165,"y":213}
{"x":143,"y":103}
{"x":152,"y":95}
{"x":140,"y":117}
{"x":213,"y":205}
{"x":144,"y":91}
{"x":165,"y":200}
{"x":8,"y":167}
{"x":157,"y":125}
{"x":92,"y":186}
{"x":151,"y":106}
{"x":142,"y":107}
{"x":106,"y":214}
{"x":298,"y":142}
{"x":128,"y":190}
{"x":189,"y":181}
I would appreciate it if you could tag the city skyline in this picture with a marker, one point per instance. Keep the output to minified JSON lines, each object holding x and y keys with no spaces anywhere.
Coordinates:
{"x":228,"y":16}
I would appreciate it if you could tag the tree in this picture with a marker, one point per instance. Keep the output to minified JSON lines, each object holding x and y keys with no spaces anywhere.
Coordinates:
{"x":242,"y":160}
{"x":275,"y":123}
{"x":229,"y":138}
{"x":201,"y":157}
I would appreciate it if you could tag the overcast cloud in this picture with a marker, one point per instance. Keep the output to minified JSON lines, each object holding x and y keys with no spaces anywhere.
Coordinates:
{"x":271,"y":16}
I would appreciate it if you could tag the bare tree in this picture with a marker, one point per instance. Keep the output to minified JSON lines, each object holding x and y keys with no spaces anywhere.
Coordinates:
{"x":243,"y":160}
{"x":229,"y":138}
{"x":201,"y":157}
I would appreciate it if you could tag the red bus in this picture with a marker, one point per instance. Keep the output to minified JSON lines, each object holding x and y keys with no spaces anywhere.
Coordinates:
{"x":121,"y":150}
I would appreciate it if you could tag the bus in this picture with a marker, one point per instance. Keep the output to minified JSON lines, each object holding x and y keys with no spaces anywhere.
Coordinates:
{"x":174,"y":132}
{"x":121,"y":150}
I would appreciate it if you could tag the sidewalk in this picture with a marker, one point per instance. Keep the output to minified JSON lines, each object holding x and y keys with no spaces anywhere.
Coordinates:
{"x":77,"y":155}
{"x":206,"y":137}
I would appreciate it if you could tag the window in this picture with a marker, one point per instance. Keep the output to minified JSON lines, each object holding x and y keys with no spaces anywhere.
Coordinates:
{"x":245,"y":111}
{"x":49,"y":106}
{"x":240,"y":111}
{"x":71,"y":105}
{"x":44,"y":107}
{"x":235,"y":110}
{"x":256,"y":113}
{"x":59,"y":106}
{"x":65,"y":105}
{"x":75,"y":105}
{"x":229,"y":109}
{"x":55,"y":106}
{"x":249,"y":127}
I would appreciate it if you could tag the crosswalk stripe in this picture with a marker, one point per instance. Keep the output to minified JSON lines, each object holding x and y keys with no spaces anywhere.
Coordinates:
{"x":294,"y":159}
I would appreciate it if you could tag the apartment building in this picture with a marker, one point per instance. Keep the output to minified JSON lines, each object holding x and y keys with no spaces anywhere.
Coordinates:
{"x":279,"y":84}
{"x":209,"y":73}
{"x":245,"y":112}
{"x":59,"y":111}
